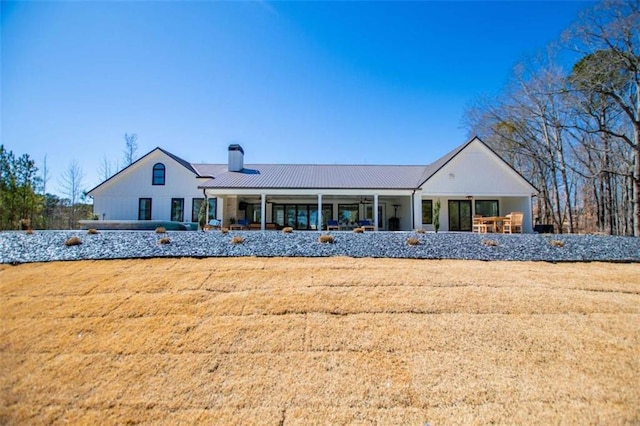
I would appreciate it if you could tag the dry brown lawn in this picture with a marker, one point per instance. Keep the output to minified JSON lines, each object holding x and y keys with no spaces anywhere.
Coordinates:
{"x":319,"y":341}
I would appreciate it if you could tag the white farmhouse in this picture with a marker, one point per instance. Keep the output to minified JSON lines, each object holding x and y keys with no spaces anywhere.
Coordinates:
{"x":472,"y":179}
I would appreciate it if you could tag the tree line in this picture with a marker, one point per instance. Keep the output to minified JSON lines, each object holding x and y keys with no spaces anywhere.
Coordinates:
{"x":575,"y":133}
{"x":26,"y":203}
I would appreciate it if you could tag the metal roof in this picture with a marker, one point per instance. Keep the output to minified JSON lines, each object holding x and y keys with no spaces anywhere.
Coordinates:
{"x":303,"y":176}
{"x":315,"y":176}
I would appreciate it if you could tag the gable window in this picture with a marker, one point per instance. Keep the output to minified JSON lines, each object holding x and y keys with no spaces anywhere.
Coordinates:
{"x":177,"y":209}
{"x":487,"y":207}
{"x":427,"y":212}
{"x":158,"y":174}
{"x":144,"y":209}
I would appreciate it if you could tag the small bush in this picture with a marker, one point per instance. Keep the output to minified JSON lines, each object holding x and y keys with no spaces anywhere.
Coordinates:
{"x":29,"y":231}
{"x":326,"y":239}
{"x":490,"y":243}
{"x":224,"y":230}
{"x":160,"y":230}
{"x":413,"y":241}
{"x":419,"y":231}
{"x":557,"y":243}
{"x":237,"y":240}
{"x":358,"y":230}
{"x":287,"y":230}
{"x":92,"y":231}
{"x":164,"y":240}
{"x":73,"y":241}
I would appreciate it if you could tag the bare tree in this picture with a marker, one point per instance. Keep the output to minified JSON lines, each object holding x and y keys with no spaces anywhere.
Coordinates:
{"x":71,"y":182}
{"x":106,"y":168}
{"x":608,"y":37}
{"x":526,"y":125}
{"x":45,"y":175}
{"x":131,"y":149}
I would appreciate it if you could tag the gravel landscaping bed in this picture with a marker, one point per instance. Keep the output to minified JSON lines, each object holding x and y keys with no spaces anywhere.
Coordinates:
{"x":42,"y":246}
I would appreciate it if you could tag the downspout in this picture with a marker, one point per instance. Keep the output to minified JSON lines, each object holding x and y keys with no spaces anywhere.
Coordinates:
{"x":413,"y":216}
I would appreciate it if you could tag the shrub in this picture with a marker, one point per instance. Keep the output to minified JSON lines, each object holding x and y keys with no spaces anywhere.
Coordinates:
{"x":413,"y":241}
{"x":73,"y":241}
{"x":29,"y":231}
{"x":419,"y":231}
{"x":160,"y":230}
{"x":92,"y":231}
{"x":237,"y":240}
{"x":164,"y":240}
{"x":287,"y":230}
{"x":358,"y":230}
{"x":490,"y":243}
{"x":326,"y":239}
{"x":557,"y":243}
{"x":224,"y":230}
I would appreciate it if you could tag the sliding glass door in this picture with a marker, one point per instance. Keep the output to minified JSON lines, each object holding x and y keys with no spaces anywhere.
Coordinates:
{"x":459,"y":215}
{"x":300,"y":216}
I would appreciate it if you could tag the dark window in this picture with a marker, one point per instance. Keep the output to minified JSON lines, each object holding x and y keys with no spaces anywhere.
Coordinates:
{"x":348,"y":213}
{"x":144,"y":209}
{"x":487,"y":207}
{"x":427,"y":212}
{"x":253,"y":212}
{"x":158,"y":174}
{"x":196,"y":203}
{"x":177,"y":209}
{"x":459,"y":215}
{"x":213,"y":209}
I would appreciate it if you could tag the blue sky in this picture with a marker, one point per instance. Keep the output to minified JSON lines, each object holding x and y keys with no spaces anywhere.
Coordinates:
{"x":292,"y":82}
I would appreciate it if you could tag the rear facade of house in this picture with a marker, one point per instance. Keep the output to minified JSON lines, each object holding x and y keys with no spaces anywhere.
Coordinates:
{"x":472,"y":179}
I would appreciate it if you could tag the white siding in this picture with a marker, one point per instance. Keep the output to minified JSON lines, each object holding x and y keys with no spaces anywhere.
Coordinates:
{"x":117,"y":199}
{"x":477,"y":171}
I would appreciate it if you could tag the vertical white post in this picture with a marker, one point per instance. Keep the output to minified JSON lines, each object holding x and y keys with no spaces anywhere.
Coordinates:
{"x":375,"y":211}
{"x":319,"y":212}
{"x":263,"y":211}
{"x":220,"y":209}
{"x":416,"y":221}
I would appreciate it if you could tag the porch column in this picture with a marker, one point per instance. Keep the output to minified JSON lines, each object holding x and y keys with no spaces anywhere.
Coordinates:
{"x":220,"y":209}
{"x":375,"y":212}
{"x":416,"y":219}
{"x":319,"y":225}
{"x":263,"y":211}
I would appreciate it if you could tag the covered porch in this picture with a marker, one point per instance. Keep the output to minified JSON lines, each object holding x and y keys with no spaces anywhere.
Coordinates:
{"x":457,"y":212}
{"x":386,"y":210}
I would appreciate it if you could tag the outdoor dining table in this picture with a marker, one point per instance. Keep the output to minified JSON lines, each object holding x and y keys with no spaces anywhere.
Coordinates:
{"x":492,"y":222}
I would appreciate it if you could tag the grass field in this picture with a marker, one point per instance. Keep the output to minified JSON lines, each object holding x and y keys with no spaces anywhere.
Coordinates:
{"x":319,"y":341}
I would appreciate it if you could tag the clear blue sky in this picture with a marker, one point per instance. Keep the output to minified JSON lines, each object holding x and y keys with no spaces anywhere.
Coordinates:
{"x":292,"y":82}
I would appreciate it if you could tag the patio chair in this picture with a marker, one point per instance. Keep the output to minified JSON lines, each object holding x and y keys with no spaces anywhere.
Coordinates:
{"x":478,"y":225}
{"x":214,"y":224}
{"x":366,"y":225}
{"x":512,"y":223}
{"x":333,"y":225}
